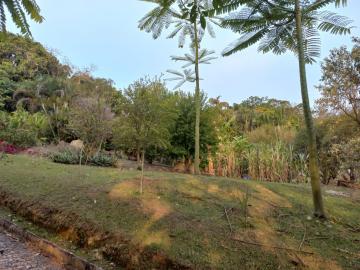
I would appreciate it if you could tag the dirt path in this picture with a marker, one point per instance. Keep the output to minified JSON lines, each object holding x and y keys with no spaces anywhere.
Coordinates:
{"x":15,"y":255}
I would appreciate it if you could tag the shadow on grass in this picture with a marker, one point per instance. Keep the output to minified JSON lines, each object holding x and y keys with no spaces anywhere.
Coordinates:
{"x":182,"y":217}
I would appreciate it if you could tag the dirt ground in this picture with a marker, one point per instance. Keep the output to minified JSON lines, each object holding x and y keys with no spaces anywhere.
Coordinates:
{"x":15,"y":255}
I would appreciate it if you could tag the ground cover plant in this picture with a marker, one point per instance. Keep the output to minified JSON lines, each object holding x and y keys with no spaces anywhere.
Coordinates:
{"x":195,"y":221}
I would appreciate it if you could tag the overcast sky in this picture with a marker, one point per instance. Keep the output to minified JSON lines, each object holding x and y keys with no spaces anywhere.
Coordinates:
{"x":104,"y":34}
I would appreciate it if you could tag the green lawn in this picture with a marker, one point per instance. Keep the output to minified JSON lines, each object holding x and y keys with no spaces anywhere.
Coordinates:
{"x":183,"y":217}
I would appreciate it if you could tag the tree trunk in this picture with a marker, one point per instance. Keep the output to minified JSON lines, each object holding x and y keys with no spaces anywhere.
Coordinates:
{"x":49,"y":120}
{"x":313,"y":161}
{"x":142,"y":171}
{"x":197,"y":102}
{"x":138,"y":158}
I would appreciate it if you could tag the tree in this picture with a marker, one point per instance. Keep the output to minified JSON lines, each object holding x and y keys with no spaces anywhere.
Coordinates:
{"x":18,"y":10}
{"x":190,"y":18}
{"x":257,"y":111}
{"x":144,"y":117}
{"x":340,"y":82}
{"x":182,"y":130}
{"x":290,"y":25}
{"x":21,"y":61}
{"x":90,"y":119}
{"x":90,"y":116}
{"x":348,"y":155}
{"x":50,"y":95}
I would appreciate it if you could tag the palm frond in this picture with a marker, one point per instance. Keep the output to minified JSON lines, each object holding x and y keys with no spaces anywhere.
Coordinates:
{"x":204,"y":57}
{"x":33,"y":10}
{"x":188,"y":75}
{"x":334,"y":23}
{"x":2,"y":17}
{"x":340,"y":2}
{"x":317,"y":5}
{"x":210,"y":29}
{"x":244,"y":41}
{"x":225,"y":6}
{"x":19,"y":9}
{"x":312,"y":44}
{"x":177,"y":13}
{"x":18,"y":16}
{"x":273,"y":24}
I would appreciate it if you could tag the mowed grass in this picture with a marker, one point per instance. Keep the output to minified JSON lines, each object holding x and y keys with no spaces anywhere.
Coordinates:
{"x":266,"y":225}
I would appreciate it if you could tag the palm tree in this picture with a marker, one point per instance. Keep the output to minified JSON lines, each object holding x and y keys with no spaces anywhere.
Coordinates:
{"x":18,"y":10}
{"x":51,"y":95}
{"x":290,"y":25}
{"x":190,"y":18}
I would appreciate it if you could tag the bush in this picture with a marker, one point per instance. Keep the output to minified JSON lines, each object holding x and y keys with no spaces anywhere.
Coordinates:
{"x":22,"y":128}
{"x":66,"y":156}
{"x":9,"y":148}
{"x":19,"y":137}
{"x":348,"y":157}
{"x":103,"y":160}
{"x":72,"y":156}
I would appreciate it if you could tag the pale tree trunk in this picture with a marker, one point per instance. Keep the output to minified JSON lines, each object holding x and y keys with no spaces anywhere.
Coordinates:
{"x":138,"y":157}
{"x":142,"y":171}
{"x":49,"y":120}
{"x":313,"y":161}
{"x":197,"y":102}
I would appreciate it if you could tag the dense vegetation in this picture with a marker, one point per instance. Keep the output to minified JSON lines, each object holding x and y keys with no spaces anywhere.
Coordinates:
{"x":45,"y":102}
{"x":69,"y":116}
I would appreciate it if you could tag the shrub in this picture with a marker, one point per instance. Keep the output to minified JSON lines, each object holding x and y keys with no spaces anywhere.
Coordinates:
{"x":66,"y":156}
{"x":348,"y":156}
{"x":19,"y":137}
{"x":22,"y":128}
{"x":102,"y":159}
{"x":70,"y":155}
{"x":9,"y":148}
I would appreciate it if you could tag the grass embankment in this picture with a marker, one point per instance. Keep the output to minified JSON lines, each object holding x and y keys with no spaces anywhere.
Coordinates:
{"x":181,"y":218}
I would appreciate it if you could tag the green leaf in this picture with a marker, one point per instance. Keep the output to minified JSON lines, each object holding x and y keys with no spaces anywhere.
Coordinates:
{"x":193,"y":14}
{"x":203,"y":22}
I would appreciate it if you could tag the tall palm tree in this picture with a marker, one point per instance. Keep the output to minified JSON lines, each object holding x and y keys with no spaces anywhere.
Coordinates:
{"x":190,"y":19}
{"x":292,"y":25}
{"x":19,"y":9}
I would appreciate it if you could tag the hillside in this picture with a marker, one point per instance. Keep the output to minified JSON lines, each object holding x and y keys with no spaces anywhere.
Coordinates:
{"x":183,"y":221}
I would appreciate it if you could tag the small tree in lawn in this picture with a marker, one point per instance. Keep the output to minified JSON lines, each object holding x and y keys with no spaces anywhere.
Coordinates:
{"x":91,"y":121}
{"x":288,"y":25}
{"x":145,"y":114}
{"x":91,"y":113}
{"x":190,"y":18}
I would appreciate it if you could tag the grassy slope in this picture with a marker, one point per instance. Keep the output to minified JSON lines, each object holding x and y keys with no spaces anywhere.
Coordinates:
{"x":184,"y":216}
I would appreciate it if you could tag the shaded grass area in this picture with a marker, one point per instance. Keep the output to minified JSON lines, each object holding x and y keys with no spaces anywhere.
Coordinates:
{"x":184,"y":216}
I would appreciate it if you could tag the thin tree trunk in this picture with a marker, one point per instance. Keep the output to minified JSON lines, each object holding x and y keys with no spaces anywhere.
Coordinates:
{"x":142,"y":171}
{"x":138,"y":157}
{"x":100,"y":146}
{"x":313,"y":161}
{"x":197,"y":102}
{"x":49,"y":120}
